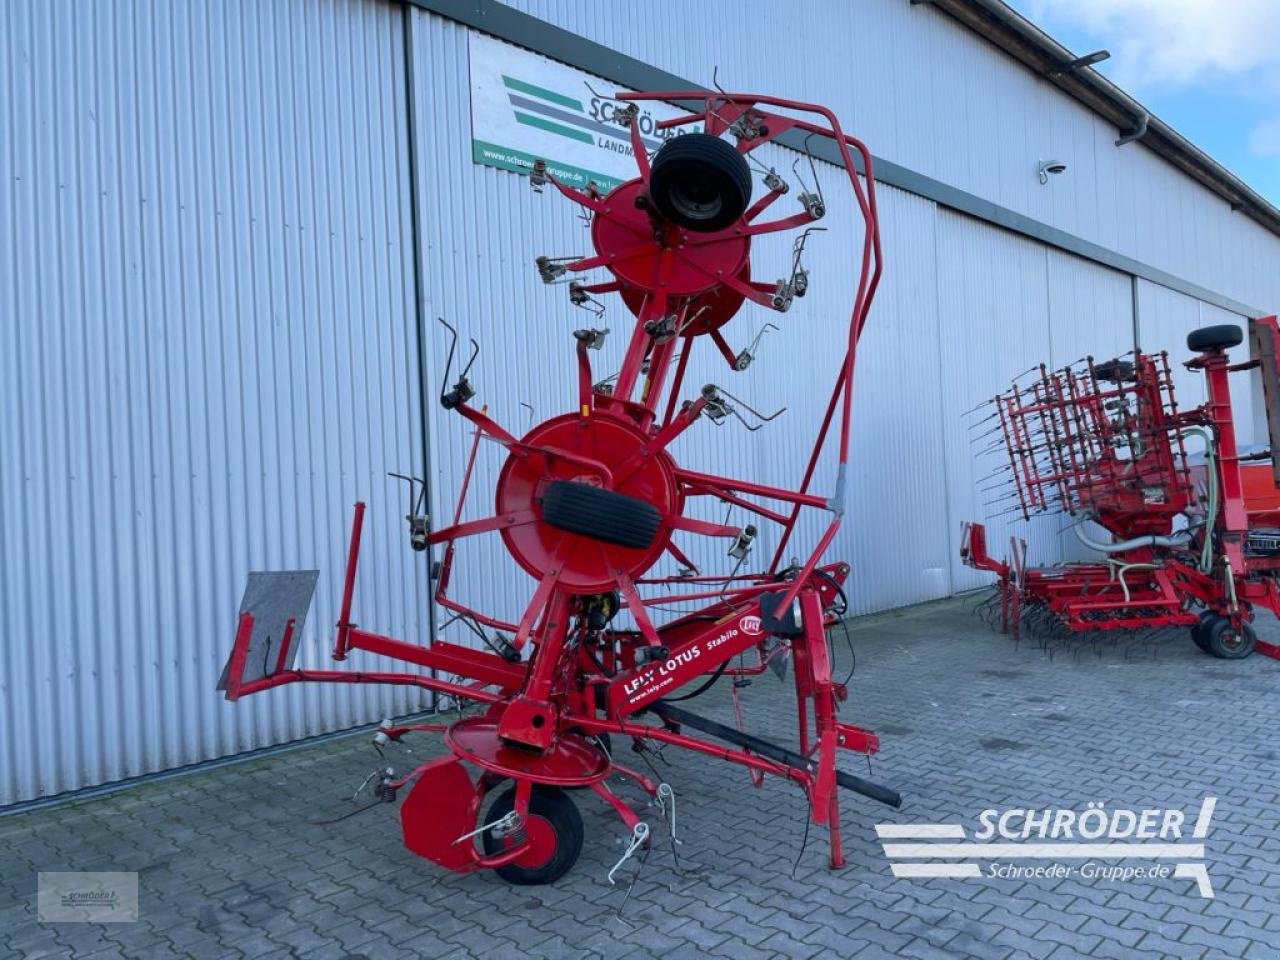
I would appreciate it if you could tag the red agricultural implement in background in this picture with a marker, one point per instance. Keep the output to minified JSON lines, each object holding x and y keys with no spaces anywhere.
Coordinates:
{"x":1194,"y":544}
{"x":588,"y":502}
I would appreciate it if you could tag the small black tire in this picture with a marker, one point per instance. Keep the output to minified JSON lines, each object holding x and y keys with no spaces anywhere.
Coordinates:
{"x":1223,"y":641}
{"x":1197,"y":629}
{"x":600,"y":514}
{"x":557,"y":809}
{"x":700,"y":182}
{"x":1222,"y":336}
{"x":1116,"y":371}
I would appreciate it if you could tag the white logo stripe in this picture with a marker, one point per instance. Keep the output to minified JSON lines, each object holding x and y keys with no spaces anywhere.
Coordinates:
{"x":1199,"y":873}
{"x":1033,"y":851}
{"x":919,"y":831}
{"x":1202,"y":822}
{"x":936,"y":870}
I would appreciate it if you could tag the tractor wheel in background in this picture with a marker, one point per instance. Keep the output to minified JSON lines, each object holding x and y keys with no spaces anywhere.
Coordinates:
{"x":554,"y":829}
{"x":1224,"y":641}
{"x":700,"y":182}
{"x":1197,"y":629}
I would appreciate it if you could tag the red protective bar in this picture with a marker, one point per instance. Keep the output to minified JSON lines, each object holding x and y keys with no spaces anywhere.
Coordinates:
{"x":713,"y":483}
{"x":870,"y":266}
{"x":447,"y":657}
{"x":585,"y":402}
{"x":285,"y":640}
{"x":349,"y":584}
{"x":446,"y":563}
{"x":353,"y":676}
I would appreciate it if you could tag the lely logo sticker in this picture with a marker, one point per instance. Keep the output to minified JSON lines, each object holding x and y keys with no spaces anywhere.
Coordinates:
{"x":750,"y":625}
{"x":1098,"y":843}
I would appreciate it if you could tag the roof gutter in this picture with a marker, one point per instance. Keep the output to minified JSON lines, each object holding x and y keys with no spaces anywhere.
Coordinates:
{"x":1002,"y":26}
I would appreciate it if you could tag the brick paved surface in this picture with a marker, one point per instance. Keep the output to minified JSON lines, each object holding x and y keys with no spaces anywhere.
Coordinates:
{"x":231,"y":863}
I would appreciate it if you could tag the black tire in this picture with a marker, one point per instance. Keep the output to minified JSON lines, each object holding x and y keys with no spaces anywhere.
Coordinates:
{"x":1223,"y":641}
{"x":700,"y":182}
{"x":1223,"y":336}
{"x":1116,"y":371}
{"x":1197,"y":629}
{"x":555,"y":807}
{"x":600,"y":514}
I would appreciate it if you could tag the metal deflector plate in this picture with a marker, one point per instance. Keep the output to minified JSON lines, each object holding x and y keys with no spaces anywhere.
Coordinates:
{"x":274,"y":598}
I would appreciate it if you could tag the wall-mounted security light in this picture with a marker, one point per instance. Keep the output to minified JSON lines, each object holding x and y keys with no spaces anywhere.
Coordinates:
{"x":1079,"y":63}
{"x":1050,"y":166}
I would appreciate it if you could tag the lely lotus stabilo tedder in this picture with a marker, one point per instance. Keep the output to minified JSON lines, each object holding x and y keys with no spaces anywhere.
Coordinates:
{"x":588,"y":502}
{"x":1193,"y":544}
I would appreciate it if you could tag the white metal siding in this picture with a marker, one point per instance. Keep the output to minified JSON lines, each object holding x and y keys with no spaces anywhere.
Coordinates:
{"x":486,"y":228}
{"x":206,"y":291}
{"x":1012,"y":304}
{"x":206,"y":299}
{"x":1164,"y":320}
{"x":927,"y":93}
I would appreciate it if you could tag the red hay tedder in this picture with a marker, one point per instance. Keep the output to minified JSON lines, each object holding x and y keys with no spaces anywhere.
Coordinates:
{"x":587,"y":503}
{"x":1194,"y":544}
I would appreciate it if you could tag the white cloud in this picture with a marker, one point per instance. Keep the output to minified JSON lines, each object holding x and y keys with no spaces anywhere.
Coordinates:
{"x":1264,"y":141}
{"x":1176,"y":42}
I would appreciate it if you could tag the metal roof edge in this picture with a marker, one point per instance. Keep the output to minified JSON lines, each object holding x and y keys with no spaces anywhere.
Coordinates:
{"x":1003,"y":27}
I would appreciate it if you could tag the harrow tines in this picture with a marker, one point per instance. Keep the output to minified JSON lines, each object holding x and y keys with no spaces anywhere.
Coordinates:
{"x":996,"y":429}
{"x":1007,"y":468}
{"x":977,"y":423}
{"x":978,"y":407}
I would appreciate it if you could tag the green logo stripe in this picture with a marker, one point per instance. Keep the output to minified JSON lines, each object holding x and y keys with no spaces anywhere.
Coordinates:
{"x":530,"y":120}
{"x":517,"y":161}
{"x":542,"y":93}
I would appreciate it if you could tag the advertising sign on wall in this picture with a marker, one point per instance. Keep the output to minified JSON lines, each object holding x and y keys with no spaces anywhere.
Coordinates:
{"x":526,"y":107}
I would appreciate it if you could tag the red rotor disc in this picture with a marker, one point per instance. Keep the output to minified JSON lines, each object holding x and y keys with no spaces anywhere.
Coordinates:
{"x":698,"y":266}
{"x":709,"y":310}
{"x":569,"y":762}
{"x":586,"y":564}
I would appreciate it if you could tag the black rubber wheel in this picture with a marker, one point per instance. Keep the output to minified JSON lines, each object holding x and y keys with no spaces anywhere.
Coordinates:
{"x":600,"y":514}
{"x":555,"y":809}
{"x":700,"y":182}
{"x":1116,"y":371}
{"x":1197,"y":630}
{"x":1220,"y":337}
{"x":1222,"y":640}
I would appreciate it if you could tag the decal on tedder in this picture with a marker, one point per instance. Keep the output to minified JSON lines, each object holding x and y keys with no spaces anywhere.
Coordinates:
{"x":629,"y":693}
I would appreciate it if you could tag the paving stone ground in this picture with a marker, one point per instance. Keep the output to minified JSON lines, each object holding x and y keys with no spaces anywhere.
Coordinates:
{"x":232,"y":863}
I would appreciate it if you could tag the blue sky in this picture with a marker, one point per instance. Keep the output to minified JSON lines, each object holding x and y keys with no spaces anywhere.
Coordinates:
{"x":1208,"y":68}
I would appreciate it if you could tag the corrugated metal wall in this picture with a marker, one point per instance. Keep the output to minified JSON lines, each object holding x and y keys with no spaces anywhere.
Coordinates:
{"x":1165,"y":317}
{"x":480,"y":275}
{"x":207,"y":288}
{"x":208,"y":356}
{"x":936,"y":98}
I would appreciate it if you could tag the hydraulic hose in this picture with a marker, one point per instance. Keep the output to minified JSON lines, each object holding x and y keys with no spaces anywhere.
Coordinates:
{"x":1211,"y":512}
{"x":1173,"y":539}
{"x":1151,"y":540}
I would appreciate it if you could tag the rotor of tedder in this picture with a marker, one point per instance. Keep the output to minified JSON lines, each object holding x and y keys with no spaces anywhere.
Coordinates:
{"x":601,"y":504}
{"x":588,"y":502}
{"x":632,"y":241}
